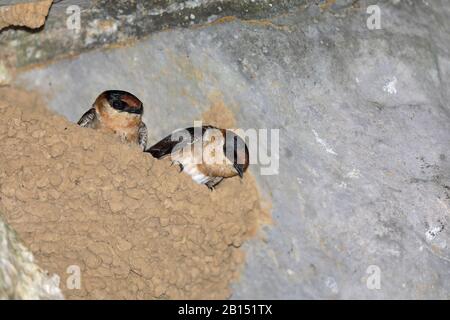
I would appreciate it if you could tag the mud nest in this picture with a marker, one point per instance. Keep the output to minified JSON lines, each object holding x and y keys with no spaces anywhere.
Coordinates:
{"x":135,"y":227}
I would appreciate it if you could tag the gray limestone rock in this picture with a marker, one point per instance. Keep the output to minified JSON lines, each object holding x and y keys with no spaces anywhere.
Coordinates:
{"x":363,"y":188}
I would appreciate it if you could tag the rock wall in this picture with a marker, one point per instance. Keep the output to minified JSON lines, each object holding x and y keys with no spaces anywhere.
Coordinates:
{"x":78,"y":26}
{"x":363,"y":183}
{"x":361,"y":200}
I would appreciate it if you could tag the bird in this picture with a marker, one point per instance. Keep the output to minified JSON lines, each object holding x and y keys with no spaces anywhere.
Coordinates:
{"x":119,"y":112}
{"x":207,"y":153}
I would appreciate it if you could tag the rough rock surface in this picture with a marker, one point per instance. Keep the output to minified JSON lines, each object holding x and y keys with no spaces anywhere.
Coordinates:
{"x":30,"y":14}
{"x":20,"y":277}
{"x":130,"y":226}
{"x":74,"y":26}
{"x":364,"y":142}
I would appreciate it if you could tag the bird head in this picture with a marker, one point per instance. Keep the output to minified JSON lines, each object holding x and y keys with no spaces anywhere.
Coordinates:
{"x":121,"y":101}
{"x":236,"y":151}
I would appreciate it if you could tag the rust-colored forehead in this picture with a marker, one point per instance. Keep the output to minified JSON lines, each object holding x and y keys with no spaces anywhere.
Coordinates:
{"x":131,"y":100}
{"x":122,"y":101}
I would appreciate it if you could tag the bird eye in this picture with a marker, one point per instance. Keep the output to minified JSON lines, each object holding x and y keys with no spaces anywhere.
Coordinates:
{"x":117,"y":105}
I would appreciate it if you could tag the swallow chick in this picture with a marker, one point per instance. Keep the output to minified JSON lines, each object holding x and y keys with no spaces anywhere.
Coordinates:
{"x":208,"y":154}
{"x":119,"y":112}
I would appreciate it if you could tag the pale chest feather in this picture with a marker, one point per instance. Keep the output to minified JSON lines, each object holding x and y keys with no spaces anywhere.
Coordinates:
{"x":186,"y":159}
{"x":200,"y":171}
{"x":122,"y":124}
{"x":215,"y":163}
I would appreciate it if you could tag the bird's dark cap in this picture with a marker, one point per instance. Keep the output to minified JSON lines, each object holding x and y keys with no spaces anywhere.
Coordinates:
{"x":123,"y":101}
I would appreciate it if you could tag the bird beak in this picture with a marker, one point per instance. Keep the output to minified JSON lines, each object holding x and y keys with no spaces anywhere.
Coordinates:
{"x":239,"y":169}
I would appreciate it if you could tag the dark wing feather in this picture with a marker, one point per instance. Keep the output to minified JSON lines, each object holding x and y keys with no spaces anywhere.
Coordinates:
{"x":88,"y":119}
{"x":143,"y":135}
{"x":166,"y":146}
{"x":175,"y":141}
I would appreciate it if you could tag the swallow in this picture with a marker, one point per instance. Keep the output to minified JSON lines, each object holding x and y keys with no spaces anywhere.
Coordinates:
{"x":119,"y":112}
{"x":208,"y":154}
